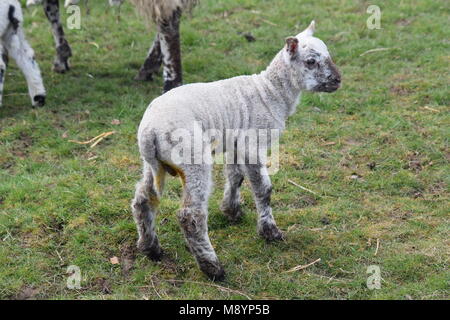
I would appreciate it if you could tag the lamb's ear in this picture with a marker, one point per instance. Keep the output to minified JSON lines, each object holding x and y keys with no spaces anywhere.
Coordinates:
{"x":310,"y":30}
{"x":292,"y":46}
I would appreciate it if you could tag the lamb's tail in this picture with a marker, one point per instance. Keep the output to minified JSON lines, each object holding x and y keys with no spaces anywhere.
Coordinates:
{"x":151,"y":154}
{"x":162,"y":10}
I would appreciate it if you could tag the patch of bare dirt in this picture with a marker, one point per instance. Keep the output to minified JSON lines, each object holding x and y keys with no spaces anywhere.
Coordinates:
{"x":20,"y":148}
{"x":304,"y":201}
{"x":414,"y":162}
{"x":399,"y":90}
{"x":404,"y":22}
{"x":102,"y":285}
{"x":438,"y":188}
{"x":127,"y":258}
{"x":26,"y":293}
{"x":398,"y":213}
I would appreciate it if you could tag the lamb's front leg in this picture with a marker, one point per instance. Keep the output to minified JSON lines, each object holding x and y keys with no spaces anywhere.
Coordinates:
{"x":152,"y":63}
{"x":63,"y":50}
{"x":23,"y":54}
{"x":262,"y":190}
{"x":231,"y":206}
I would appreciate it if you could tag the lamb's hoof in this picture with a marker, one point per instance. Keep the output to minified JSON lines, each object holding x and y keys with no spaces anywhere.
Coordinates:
{"x":234,"y":215}
{"x":213,"y":270}
{"x":154,"y":253}
{"x":270,"y":232}
{"x":39,"y":101}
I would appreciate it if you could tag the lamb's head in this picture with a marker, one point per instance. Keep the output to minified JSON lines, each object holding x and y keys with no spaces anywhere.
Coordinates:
{"x":311,"y":61}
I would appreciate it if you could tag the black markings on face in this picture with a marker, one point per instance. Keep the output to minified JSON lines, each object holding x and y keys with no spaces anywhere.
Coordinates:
{"x":334,"y":72}
{"x":12,"y":19}
{"x":312,"y":59}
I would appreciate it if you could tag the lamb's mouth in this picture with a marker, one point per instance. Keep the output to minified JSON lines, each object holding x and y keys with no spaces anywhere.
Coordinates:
{"x":325,"y":87}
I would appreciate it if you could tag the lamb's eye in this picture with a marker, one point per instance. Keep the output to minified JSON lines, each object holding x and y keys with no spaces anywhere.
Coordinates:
{"x":310,"y":62}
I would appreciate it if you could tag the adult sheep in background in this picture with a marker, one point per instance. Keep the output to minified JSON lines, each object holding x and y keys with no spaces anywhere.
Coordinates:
{"x":164,"y":51}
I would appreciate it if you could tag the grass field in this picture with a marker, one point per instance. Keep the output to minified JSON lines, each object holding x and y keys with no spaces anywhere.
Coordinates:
{"x":376,"y":153}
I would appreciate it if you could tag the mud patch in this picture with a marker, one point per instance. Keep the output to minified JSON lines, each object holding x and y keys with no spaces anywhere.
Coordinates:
{"x":127,"y":258}
{"x":400,"y":214}
{"x":102,"y":285}
{"x":306,"y":201}
{"x":400,"y":90}
{"x":26,"y":293}
{"x":20,"y":148}
{"x":169,"y":264}
{"x":404,"y":22}
{"x":414,"y":162}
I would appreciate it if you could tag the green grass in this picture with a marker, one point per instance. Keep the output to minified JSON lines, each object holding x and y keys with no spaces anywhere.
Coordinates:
{"x":65,"y":204}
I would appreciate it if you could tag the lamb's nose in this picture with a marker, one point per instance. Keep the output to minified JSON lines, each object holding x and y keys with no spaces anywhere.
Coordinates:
{"x":334,"y":79}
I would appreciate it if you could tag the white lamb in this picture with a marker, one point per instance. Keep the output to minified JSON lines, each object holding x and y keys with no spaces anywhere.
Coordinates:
{"x":257,"y":102}
{"x":14,"y":44}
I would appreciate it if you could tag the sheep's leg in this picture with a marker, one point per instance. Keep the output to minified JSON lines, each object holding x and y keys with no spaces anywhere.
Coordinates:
{"x":262,"y":189}
{"x":193,"y":218}
{"x":169,"y":31}
{"x":3,"y":62}
{"x":19,"y":49}
{"x":63,"y":50}
{"x":144,"y":207}
{"x":152,"y":63}
{"x":231,"y":198}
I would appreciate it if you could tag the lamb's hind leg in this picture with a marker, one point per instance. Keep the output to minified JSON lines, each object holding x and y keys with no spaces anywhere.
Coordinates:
{"x":231,"y":198}
{"x":262,"y":190}
{"x":144,"y":207}
{"x":152,"y":63}
{"x":63,"y":50}
{"x":194,"y":218}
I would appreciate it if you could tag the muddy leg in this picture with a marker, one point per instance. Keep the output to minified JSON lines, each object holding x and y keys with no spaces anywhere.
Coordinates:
{"x":231,"y":198}
{"x":63,"y":50}
{"x":144,"y":207}
{"x":262,"y":189}
{"x":194,"y":219}
{"x":152,"y":63}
